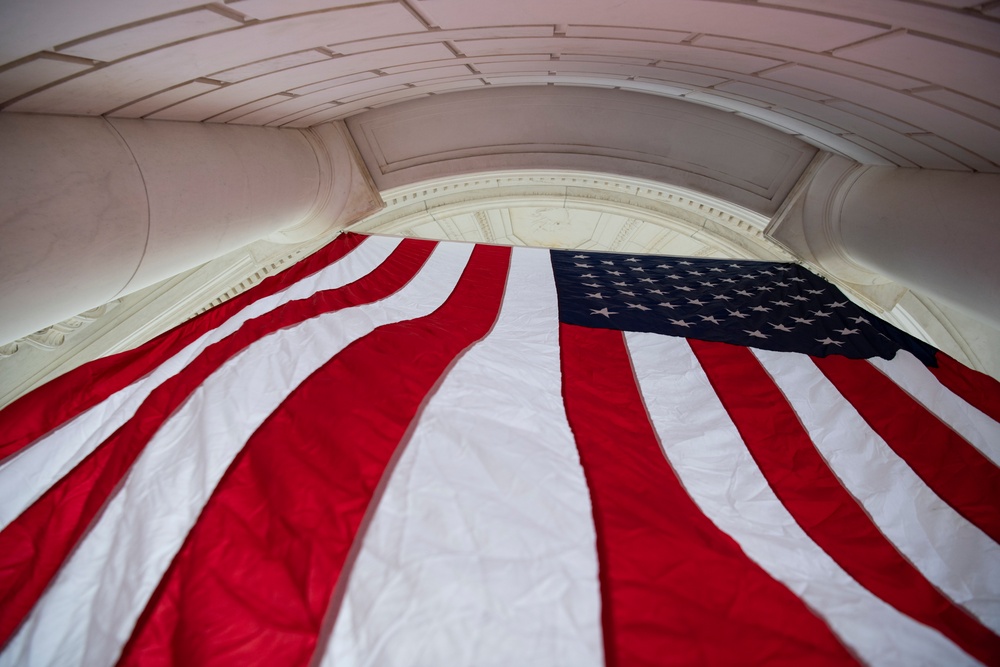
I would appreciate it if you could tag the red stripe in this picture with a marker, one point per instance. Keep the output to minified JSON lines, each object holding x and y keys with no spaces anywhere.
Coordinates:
{"x":253,"y":581}
{"x":53,"y":404}
{"x":814,"y":496}
{"x":975,"y":388}
{"x":676,"y":589}
{"x":948,"y":464}
{"x":33,"y":546}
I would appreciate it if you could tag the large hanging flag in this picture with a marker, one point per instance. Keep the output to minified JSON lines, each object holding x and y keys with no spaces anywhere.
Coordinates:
{"x":402,"y":452}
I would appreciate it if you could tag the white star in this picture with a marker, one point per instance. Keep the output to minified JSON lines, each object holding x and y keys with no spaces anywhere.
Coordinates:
{"x":685,"y":288}
{"x":602,"y":311}
{"x":667,"y":304}
{"x":631,"y":259}
{"x":607,"y":261}
{"x":797,"y":280}
{"x":588,"y":275}
{"x":800,"y":298}
{"x":736,"y":266}
{"x":706,"y":284}
{"x":743,"y":292}
{"x":779,"y":284}
{"x":655,"y":291}
{"x":829,"y":341}
{"x":637,"y":268}
{"x":761,"y":309}
{"x":637,"y":306}
{"x":695,"y":273}
{"x":736,"y":313}
{"x":614,"y":273}
{"x":583,"y":266}
{"x":756,"y":333}
{"x":781,"y":327}
{"x":717,"y":269}
{"x":710,"y":318}
{"x":727,"y":280}
{"x":646,"y":280}
{"x":663,"y":266}
{"x":684,"y":263}
{"x":782,"y":303}
{"x":766,"y":273}
{"x":748,"y":276}
{"x":820,"y":313}
{"x":845,"y":331}
{"x":680,"y":323}
{"x":814,"y":291}
{"x":859,"y":320}
{"x":596,"y":295}
{"x":764,"y":288}
{"x":594,"y":285}
{"x":674,"y":276}
{"x":696,"y":302}
{"x":626,"y":292}
{"x":802,"y":320}
{"x":723,"y":297}
{"x":581,"y":256}
{"x":619,"y":283}
{"x":836,"y":304}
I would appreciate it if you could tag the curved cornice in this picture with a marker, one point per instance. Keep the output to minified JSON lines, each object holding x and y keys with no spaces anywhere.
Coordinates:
{"x":727,"y":228}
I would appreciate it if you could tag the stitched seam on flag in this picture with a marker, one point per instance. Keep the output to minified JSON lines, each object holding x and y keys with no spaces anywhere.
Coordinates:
{"x":109,"y":476}
{"x":977,"y":389}
{"x":875,"y":470}
{"x":954,"y":469}
{"x":694,"y":533}
{"x":933,"y":609}
{"x":979,"y":426}
{"x":326,"y":328}
{"x":55,"y":454}
{"x":340,"y":589}
{"x":235,"y":466}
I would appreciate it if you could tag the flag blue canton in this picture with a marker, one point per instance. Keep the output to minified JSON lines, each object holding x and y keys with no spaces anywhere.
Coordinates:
{"x":768,"y":305}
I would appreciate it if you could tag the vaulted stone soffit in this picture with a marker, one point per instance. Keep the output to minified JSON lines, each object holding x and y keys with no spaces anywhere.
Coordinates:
{"x":884,"y":82}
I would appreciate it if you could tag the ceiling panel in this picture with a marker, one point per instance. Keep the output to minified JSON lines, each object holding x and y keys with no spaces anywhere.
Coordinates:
{"x":128,"y":80}
{"x":151,"y":35}
{"x":31,"y":74}
{"x":966,"y":70}
{"x":880,"y":73}
{"x":167,"y":98}
{"x":806,"y":30}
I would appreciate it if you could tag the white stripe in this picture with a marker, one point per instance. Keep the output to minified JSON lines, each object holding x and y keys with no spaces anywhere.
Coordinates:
{"x":952,"y":553}
{"x":88,"y":612}
{"x":481,"y":551}
{"x":27,"y":475}
{"x":980,"y":430}
{"x":705,"y":449}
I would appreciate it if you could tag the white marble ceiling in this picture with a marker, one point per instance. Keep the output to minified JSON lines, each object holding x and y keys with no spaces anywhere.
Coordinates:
{"x":894,"y":82}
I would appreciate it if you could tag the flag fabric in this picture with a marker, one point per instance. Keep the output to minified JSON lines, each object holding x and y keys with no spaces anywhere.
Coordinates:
{"x":403,"y":452}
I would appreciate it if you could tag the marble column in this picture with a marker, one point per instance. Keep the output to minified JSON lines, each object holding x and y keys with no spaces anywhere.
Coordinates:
{"x":884,"y":229}
{"x":92,"y":208}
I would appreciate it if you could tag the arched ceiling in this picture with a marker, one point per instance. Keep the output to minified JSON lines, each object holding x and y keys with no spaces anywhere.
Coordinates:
{"x":574,"y":210}
{"x":911,"y":83}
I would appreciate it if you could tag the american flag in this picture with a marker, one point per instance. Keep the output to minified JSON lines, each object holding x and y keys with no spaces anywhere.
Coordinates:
{"x":768,"y":305}
{"x":402,"y":452}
